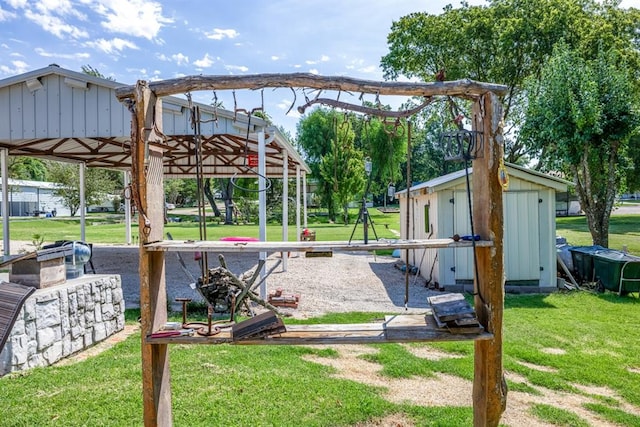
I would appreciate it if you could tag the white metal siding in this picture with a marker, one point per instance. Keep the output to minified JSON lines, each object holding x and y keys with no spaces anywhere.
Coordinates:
{"x":58,"y":110}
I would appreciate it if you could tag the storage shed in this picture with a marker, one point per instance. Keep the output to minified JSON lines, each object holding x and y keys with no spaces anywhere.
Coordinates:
{"x":440,"y":209}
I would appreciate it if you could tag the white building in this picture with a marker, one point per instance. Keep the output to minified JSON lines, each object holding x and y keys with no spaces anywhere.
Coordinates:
{"x":33,"y":198}
{"x":439,"y":209}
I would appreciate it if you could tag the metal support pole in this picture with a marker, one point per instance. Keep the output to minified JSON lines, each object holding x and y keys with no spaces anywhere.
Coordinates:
{"x":127,"y":208}
{"x":4,"y":153}
{"x":262,"y":207}
{"x":83,"y":206}
{"x":285,"y":206}
{"x":304,"y":198}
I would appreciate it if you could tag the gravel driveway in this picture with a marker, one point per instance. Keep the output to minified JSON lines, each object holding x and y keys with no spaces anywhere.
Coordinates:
{"x":345,"y":282}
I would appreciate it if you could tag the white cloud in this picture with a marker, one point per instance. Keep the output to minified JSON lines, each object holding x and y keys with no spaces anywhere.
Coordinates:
{"x":114,"y":45}
{"x":240,"y":68}
{"x":324,"y":58}
{"x":309,"y":62}
{"x":19,"y":67}
{"x":180,"y":59}
{"x":137,"y":18}
{"x":55,"y":25}
{"x":219,"y":34}
{"x":205,"y":62}
{"x":274,"y":57}
{"x":59,"y":7}
{"x":314,"y":71}
{"x":76,"y":56}
{"x":5,"y":15}
{"x":368,"y":70}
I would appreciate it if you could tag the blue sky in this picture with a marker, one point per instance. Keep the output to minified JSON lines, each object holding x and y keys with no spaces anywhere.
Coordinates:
{"x":153,"y":40}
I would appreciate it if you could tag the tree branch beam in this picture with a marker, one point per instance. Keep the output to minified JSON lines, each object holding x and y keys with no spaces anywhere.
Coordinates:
{"x":458,"y":88}
{"x":365,"y":110}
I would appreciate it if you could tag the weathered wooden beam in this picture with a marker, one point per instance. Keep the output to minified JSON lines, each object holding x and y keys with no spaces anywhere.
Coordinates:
{"x":460,"y":88}
{"x":148,"y":193}
{"x":305,"y":246}
{"x":489,"y":386}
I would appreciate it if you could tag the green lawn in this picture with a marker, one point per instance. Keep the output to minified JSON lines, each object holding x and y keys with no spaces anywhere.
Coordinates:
{"x":111,"y":228}
{"x":579,"y":343}
{"x":576,"y":340}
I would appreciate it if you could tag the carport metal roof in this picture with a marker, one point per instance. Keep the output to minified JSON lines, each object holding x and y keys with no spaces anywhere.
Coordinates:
{"x":54,"y":113}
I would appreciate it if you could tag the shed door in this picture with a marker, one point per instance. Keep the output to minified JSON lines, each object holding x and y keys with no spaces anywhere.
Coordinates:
{"x":521,"y":236}
{"x":462,"y":226}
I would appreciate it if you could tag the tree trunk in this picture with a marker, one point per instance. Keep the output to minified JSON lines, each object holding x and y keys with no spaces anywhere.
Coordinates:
{"x":210,"y":197}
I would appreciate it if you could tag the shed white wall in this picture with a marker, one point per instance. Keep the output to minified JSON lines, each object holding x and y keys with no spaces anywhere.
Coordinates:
{"x":440,"y":268}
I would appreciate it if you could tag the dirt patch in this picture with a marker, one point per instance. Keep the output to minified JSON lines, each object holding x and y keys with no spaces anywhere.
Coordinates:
{"x":557,"y":351}
{"x":535,"y":367}
{"x":448,"y":390}
{"x":430,"y":353}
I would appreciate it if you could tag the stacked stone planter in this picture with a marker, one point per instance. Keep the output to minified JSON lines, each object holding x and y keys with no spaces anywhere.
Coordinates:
{"x":59,"y":321}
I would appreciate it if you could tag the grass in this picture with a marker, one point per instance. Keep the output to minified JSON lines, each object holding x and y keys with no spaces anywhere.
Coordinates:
{"x":110,"y":228}
{"x":276,"y":385}
{"x":624,"y":230}
{"x":579,"y":338}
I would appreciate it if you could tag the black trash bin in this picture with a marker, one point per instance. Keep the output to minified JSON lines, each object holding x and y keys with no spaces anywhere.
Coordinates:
{"x":617,"y":271}
{"x":582,"y":257}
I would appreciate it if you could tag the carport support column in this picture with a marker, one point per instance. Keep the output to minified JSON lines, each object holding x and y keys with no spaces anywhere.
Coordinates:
{"x":489,"y":385}
{"x":298,"y":229}
{"x":4,"y":154}
{"x":262,"y":207}
{"x":148,"y":191}
{"x":127,"y":207}
{"x":83,"y":206}
{"x":285,"y":206}
{"x":304,"y":198}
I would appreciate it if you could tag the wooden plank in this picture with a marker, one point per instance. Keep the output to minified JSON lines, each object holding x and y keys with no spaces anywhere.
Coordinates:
{"x":450,"y":307}
{"x":304,"y":246}
{"x":400,"y":328}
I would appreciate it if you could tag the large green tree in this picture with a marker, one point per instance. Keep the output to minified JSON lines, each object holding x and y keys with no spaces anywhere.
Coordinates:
{"x":98,"y":184}
{"x":581,"y":115}
{"x":315,"y":132}
{"x":343,"y":169}
{"x":507,"y":42}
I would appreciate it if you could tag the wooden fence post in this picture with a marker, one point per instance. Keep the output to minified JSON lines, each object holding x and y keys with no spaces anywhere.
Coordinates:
{"x":489,"y":387}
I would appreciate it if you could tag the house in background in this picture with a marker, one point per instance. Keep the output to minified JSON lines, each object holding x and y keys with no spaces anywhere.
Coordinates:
{"x":439,"y":209}
{"x":34,"y":198}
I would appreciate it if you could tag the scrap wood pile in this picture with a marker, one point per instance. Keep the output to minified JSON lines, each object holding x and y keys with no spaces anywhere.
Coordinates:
{"x":453,"y":313}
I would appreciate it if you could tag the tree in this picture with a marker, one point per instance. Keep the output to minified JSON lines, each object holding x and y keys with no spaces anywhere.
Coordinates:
{"x":343,"y":168}
{"x":28,"y":168}
{"x":98,"y":184}
{"x":581,"y":115}
{"x":507,"y":42}
{"x":315,"y":133}
{"x":88,"y":69}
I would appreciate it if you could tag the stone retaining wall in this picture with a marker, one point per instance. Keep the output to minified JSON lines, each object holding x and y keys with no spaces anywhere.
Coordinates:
{"x":62,"y":320}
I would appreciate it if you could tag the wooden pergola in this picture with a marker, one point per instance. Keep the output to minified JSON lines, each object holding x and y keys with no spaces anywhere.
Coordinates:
{"x":489,"y":386}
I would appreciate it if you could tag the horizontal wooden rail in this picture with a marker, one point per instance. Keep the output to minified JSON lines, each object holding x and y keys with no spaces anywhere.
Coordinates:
{"x":395,"y":329}
{"x":306,"y":246}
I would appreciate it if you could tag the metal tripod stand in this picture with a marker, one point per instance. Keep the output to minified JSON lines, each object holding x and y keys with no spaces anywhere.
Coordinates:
{"x":363,"y":216}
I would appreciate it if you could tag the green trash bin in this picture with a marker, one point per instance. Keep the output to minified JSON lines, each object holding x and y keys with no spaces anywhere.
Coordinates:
{"x":582,"y":257}
{"x":617,"y":271}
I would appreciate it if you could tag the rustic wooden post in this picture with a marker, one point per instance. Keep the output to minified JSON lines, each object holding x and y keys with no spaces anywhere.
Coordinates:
{"x":148,"y":193}
{"x":489,"y":387}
